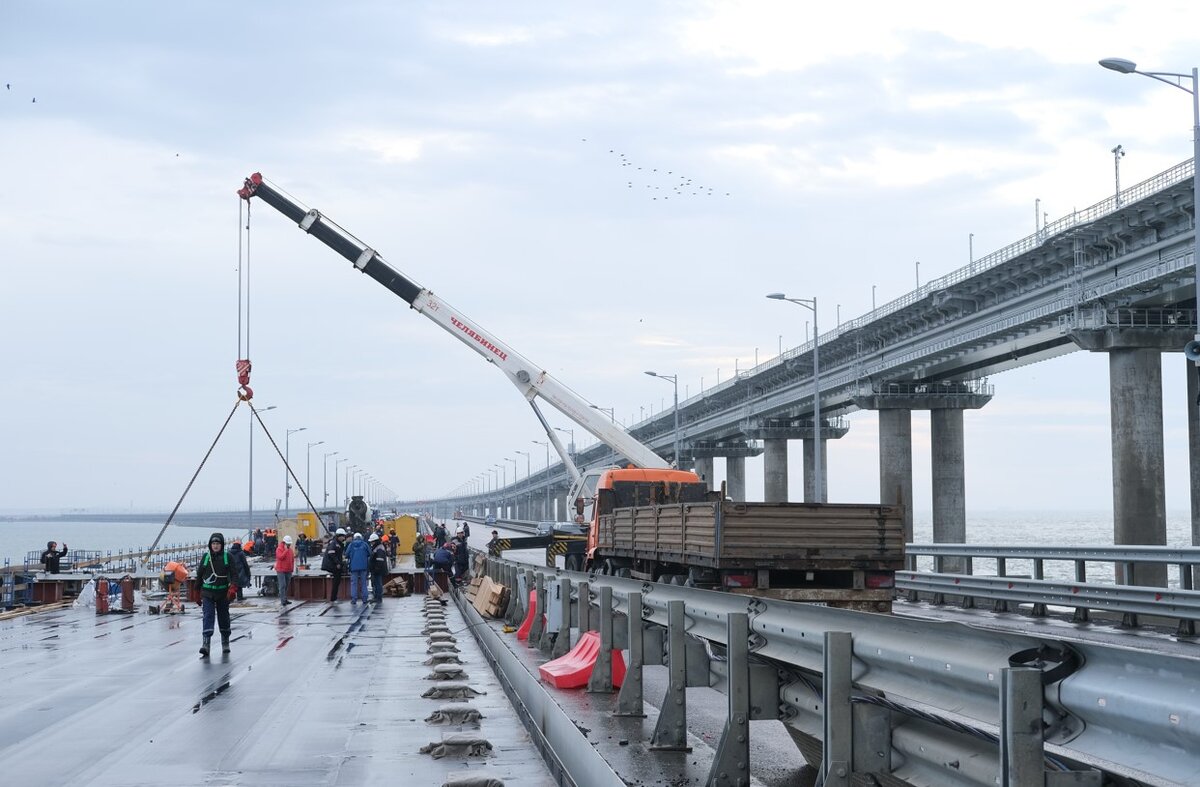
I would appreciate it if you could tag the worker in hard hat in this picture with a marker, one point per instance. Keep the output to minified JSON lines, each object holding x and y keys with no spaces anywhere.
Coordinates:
{"x":215,"y":576}
{"x":285,"y":564}
{"x":333,"y":561}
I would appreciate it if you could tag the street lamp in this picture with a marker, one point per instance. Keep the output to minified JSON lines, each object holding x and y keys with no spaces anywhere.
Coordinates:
{"x":546,"y":444}
{"x":1122,"y":66}
{"x":336,"y":496}
{"x":287,"y":466}
{"x":308,"y":468}
{"x":528,"y":486}
{"x":250,"y":502}
{"x":611,"y":416}
{"x":571,"y":448}
{"x":674,"y":379}
{"x":347,"y":484}
{"x":325,"y":479}
{"x":811,"y":303}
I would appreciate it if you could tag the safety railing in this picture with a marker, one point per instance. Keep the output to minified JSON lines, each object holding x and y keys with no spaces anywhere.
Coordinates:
{"x":1019,"y":577}
{"x":942,"y":696}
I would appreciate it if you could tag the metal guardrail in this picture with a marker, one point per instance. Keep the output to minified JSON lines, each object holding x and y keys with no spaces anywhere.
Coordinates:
{"x":946,"y":687}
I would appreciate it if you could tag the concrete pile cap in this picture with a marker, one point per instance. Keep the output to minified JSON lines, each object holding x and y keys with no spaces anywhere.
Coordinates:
{"x":442,"y":637}
{"x":457,"y":713}
{"x":447,"y":672}
{"x":443,"y":658}
{"x":472,"y":780}
{"x":449,"y":691}
{"x":442,"y":647}
{"x":460,"y":745}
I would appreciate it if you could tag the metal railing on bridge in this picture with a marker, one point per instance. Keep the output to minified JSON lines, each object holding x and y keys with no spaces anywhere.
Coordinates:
{"x":1019,"y":578}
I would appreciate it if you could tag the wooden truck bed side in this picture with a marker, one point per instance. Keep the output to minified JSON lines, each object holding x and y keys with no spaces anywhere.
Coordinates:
{"x":726,"y":534}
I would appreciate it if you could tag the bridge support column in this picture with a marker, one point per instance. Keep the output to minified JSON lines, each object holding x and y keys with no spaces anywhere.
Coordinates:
{"x":895,"y":463}
{"x":775,"y":471}
{"x":1193,"y":421}
{"x":735,"y":478}
{"x":1139,"y":494}
{"x":810,"y":478}
{"x":949,"y":480}
{"x":704,"y":469}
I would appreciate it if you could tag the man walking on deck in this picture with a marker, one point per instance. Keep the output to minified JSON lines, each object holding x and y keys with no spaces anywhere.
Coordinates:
{"x":214,"y":574}
{"x":52,"y":555}
{"x":240,"y":567}
{"x":358,"y":555}
{"x":333,"y":561}
{"x":285,"y":564}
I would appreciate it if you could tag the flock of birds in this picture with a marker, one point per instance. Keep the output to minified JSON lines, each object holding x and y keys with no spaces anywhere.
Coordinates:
{"x":8,"y":86}
{"x":663,"y":183}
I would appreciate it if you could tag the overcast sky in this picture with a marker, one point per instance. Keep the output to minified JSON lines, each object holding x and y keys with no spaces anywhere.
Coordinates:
{"x":478,"y":148}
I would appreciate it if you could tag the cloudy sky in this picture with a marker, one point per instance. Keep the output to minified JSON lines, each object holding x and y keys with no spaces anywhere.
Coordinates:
{"x":479,"y":147}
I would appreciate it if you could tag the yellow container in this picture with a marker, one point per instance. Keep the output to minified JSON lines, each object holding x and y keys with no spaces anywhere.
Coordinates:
{"x":406,"y":532}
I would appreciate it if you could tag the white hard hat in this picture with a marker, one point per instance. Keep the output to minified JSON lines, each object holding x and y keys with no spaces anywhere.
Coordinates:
{"x":374,"y":537}
{"x":287,"y":539}
{"x":341,"y":531}
{"x":358,"y":536}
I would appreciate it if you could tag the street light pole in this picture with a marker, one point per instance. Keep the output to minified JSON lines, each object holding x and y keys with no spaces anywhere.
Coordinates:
{"x":528,"y":486}
{"x":287,"y":466}
{"x":571,"y":448}
{"x":308,"y":468}
{"x":1123,"y":66}
{"x":325,"y":479}
{"x":336,"y":496}
{"x":250,"y":502}
{"x":811,"y":303}
{"x":546,"y":444}
{"x":610,"y":410}
{"x":347,"y":484}
{"x":674,"y":379}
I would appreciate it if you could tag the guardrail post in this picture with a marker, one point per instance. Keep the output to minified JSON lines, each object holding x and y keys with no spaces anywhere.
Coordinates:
{"x":838,"y":727}
{"x":546,"y":641}
{"x":968,"y":602}
{"x":670,"y":732}
{"x":600,"y":681}
{"x":1000,"y":605}
{"x":1022,"y":759}
{"x":911,"y":561}
{"x":1082,"y":614}
{"x":1125,"y":576}
{"x":1039,"y":572}
{"x":1187,"y":628}
{"x":585,"y":608}
{"x":535,"y":629}
{"x":629,"y":700}
{"x":562,"y":643}
{"x":731,"y":764}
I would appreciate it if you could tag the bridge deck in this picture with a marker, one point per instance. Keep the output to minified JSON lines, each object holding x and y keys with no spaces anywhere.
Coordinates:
{"x":125,"y":699}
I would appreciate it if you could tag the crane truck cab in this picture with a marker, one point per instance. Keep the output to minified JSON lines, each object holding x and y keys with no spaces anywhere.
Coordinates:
{"x":629,"y":487}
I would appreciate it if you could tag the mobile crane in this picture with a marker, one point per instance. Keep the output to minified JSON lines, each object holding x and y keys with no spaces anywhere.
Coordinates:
{"x":651,"y":521}
{"x":532,"y":381}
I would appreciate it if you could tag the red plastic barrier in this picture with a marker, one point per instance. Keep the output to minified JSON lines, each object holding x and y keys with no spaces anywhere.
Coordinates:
{"x":523,"y":629}
{"x":573,"y":670}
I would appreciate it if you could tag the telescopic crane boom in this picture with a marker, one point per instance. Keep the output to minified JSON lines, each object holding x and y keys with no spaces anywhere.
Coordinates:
{"x":531,"y":380}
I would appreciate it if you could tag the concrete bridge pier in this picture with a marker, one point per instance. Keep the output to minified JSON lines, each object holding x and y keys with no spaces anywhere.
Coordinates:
{"x":775,"y":471}
{"x":704,"y":469}
{"x":895,"y":463}
{"x":949,"y":477}
{"x":775,"y":434}
{"x":735,"y":453}
{"x":1139,"y":489}
{"x":810,"y":476}
{"x":735,"y":477}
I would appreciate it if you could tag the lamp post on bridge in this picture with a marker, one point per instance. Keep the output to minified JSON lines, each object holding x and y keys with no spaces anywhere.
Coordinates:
{"x":287,"y":466}
{"x":674,"y":380}
{"x":308,"y":469}
{"x":546,"y":444}
{"x":1122,"y":66}
{"x":571,"y":448}
{"x":811,"y":304}
{"x":325,"y":479}
{"x":336,"y":497}
{"x":529,"y":487}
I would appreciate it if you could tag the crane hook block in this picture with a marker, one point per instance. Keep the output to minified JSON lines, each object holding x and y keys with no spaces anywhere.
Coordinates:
{"x":245,"y":392}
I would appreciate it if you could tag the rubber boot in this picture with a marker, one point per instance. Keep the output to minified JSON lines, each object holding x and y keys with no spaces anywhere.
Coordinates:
{"x":224,"y":641}
{"x":204,"y":648}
